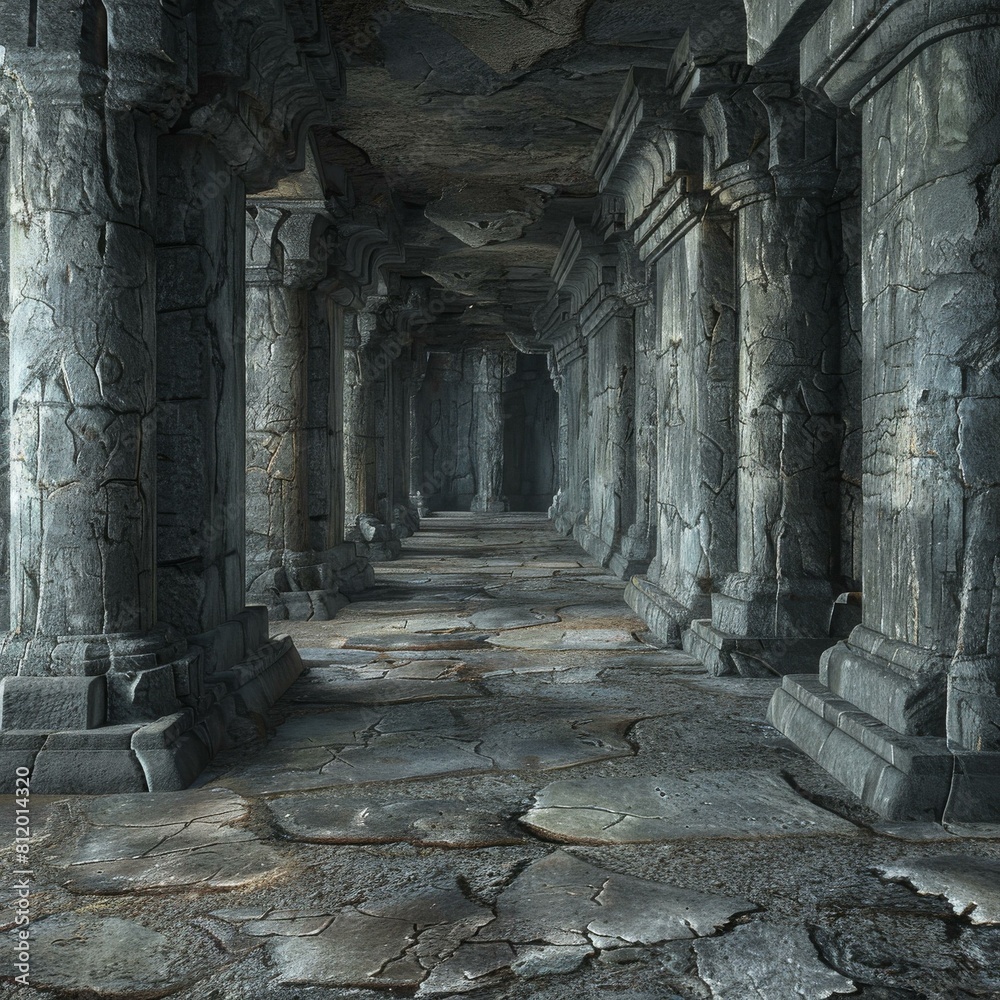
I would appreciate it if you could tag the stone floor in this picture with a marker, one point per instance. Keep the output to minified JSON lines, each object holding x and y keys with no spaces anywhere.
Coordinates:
{"x":490,"y":783}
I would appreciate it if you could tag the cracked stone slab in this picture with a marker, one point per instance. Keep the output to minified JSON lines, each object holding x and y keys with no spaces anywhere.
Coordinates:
{"x":656,"y":809}
{"x":417,"y":641}
{"x":330,"y":686}
{"x":383,"y":944}
{"x":332,"y":818}
{"x":358,"y":745}
{"x":559,"y":637}
{"x":560,"y":911}
{"x":108,"y":955}
{"x":168,"y":841}
{"x":763,"y":962}
{"x":501,"y":619}
{"x":971,"y":885}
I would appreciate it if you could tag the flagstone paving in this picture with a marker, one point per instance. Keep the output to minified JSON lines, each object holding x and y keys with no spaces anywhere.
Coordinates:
{"x":490,"y":784}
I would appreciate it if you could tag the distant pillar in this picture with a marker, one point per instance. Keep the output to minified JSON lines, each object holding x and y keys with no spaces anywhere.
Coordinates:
{"x":284,"y":572}
{"x":488,"y":434}
{"x":364,"y":408}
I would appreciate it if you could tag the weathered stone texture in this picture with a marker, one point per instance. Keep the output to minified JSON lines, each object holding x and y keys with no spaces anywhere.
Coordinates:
{"x":789,"y":423}
{"x":696,"y":491}
{"x":200,"y":386}
{"x":530,"y":416}
{"x":83,"y":426}
{"x":932,"y":400}
{"x":491,"y":369}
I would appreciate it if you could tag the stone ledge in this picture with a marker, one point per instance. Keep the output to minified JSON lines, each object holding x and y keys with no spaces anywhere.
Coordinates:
{"x":667,"y":618}
{"x":727,"y":655}
{"x":900,"y":777}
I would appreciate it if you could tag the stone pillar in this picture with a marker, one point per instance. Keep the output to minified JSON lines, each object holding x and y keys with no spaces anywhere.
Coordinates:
{"x":363,"y":369}
{"x":415,"y":382}
{"x":572,"y":501}
{"x":775,"y":611}
{"x":488,"y":456}
{"x":4,"y":404}
{"x":405,"y":521}
{"x":695,"y":419}
{"x":83,"y":640}
{"x":916,"y":729}
{"x":284,"y":571}
{"x":557,"y":509}
{"x":638,"y":546}
{"x":200,"y":378}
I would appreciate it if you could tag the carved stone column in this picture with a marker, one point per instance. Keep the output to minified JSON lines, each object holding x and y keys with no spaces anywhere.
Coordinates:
{"x":774,"y":612}
{"x":84,"y":641}
{"x":638,"y":545}
{"x":491,"y":369}
{"x":695,"y":419}
{"x":200,"y":377}
{"x":415,"y":382}
{"x":653,"y":201}
{"x":906,"y":712}
{"x":557,"y":509}
{"x":364,"y":364}
{"x":284,"y":572}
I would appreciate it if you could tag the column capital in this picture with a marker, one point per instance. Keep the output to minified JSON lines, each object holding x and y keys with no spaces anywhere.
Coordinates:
{"x":854,"y":48}
{"x":285,"y":243}
{"x":769,"y":140}
{"x":137,"y":56}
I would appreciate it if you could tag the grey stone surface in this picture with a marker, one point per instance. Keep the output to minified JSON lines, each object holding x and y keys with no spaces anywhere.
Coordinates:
{"x":402,"y":742}
{"x":765,"y":962}
{"x":430,"y":883}
{"x":74,"y":952}
{"x":170,"y":842}
{"x":648,"y":810}
{"x":333,"y":818}
{"x":971,"y":885}
{"x":52,"y":702}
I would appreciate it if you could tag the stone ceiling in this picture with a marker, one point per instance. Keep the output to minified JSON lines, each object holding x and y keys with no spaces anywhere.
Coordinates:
{"x":482,"y":116}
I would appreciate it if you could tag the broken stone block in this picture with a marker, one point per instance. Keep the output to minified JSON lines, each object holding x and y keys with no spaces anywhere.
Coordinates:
{"x":52,"y":703}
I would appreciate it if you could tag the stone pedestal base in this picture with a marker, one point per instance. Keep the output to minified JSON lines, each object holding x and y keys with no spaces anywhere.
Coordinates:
{"x":750,"y":605}
{"x":666,"y":617}
{"x":727,"y":655}
{"x":239,"y":672}
{"x":595,"y":546}
{"x":898,"y":776}
{"x":489,"y":505}
{"x":635,"y":553}
{"x":904,"y":685}
{"x":311,"y":586}
{"x":625,"y":567}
